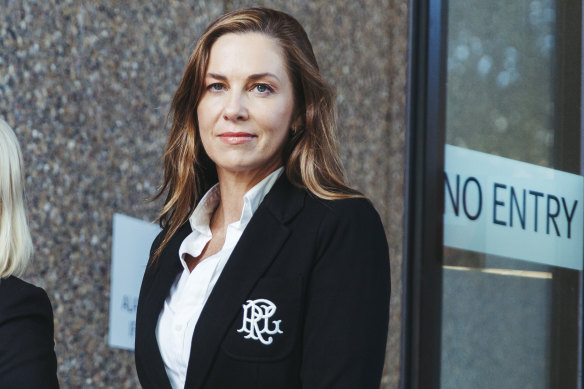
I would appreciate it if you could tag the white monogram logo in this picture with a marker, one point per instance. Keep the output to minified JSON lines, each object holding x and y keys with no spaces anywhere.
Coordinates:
{"x":255,"y":314}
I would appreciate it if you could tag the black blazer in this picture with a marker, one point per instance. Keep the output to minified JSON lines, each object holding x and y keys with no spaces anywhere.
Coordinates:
{"x":325,"y":267}
{"x":27,"y":348}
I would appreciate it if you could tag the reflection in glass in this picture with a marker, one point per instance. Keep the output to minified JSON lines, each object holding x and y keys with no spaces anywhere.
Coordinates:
{"x":500,"y":85}
{"x":507,"y":323}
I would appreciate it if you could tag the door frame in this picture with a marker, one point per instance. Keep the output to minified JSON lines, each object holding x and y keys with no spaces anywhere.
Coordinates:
{"x":423,"y":237}
{"x":424,"y":195}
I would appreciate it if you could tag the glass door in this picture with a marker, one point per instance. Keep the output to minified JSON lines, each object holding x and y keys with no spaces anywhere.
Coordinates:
{"x":511,"y":305}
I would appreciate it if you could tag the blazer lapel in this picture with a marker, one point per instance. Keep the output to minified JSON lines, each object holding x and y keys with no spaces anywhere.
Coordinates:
{"x":250,"y":259}
{"x":166,"y":269}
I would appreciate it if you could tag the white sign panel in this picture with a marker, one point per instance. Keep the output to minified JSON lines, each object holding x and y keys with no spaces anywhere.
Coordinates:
{"x":499,"y":206}
{"x":132,"y":239}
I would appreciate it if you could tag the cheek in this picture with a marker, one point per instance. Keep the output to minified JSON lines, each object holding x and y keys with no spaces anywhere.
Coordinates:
{"x":280,"y":128}
{"x":202,"y":114}
{"x":205,"y":134}
{"x":207,"y":110}
{"x":280,"y":118}
{"x":204,"y":125}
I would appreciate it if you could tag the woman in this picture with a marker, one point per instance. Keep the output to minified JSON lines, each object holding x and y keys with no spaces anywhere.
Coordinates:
{"x":27,"y":356}
{"x":270,"y":272}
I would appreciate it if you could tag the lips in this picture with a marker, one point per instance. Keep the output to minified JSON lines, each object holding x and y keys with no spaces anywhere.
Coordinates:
{"x":236,"y":138}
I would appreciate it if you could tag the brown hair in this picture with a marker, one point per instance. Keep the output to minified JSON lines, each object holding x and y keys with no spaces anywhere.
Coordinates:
{"x":310,"y":154}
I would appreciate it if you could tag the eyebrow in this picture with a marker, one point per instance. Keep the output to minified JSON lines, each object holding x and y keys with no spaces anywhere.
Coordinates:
{"x":251,"y":77}
{"x":262,"y":75}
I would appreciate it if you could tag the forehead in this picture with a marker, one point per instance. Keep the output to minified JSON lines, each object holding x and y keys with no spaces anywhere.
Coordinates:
{"x":246,"y":53}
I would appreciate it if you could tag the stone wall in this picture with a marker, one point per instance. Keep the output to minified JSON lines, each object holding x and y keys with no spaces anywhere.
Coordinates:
{"x":87,"y":86}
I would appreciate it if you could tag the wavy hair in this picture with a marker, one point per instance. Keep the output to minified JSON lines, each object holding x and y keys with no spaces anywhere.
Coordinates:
{"x":15,"y":241}
{"x":310,"y":154}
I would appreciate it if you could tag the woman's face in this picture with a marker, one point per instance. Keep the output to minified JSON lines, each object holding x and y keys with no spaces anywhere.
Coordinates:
{"x":245,"y":112}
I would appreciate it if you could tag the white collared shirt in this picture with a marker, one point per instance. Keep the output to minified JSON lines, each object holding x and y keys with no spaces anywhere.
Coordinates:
{"x":190,"y":291}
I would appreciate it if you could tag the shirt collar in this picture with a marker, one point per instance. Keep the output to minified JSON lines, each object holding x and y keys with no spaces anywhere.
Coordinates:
{"x":201,"y":217}
{"x":253,"y":198}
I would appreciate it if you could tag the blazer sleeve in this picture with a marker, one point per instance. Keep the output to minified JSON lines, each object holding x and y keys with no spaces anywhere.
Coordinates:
{"x":347,"y":310}
{"x":27,"y":355}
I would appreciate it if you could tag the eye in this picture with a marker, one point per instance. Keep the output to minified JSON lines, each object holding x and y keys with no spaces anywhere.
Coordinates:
{"x":216,"y":87}
{"x":263,"y":88}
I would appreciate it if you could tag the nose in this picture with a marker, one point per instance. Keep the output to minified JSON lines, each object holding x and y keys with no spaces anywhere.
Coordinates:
{"x":235,"y":107}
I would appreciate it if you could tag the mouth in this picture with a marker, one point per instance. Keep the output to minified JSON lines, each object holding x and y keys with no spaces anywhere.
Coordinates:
{"x":236,"y":138}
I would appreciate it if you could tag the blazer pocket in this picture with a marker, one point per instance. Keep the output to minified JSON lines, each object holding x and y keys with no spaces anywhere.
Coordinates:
{"x":267,"y":325}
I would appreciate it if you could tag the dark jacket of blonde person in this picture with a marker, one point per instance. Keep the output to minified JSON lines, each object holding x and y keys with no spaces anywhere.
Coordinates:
{"x":27,"y":356}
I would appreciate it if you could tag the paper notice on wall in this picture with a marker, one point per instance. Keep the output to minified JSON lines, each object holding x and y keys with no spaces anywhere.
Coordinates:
{"x":131,"y":243}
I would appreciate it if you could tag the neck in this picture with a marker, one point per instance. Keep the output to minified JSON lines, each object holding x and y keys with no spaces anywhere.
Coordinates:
{"x":233,"y":186}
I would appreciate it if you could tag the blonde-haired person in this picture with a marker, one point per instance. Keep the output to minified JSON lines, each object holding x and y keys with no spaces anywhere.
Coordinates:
{"x":270,"y":271}
{"x":27,"y":356}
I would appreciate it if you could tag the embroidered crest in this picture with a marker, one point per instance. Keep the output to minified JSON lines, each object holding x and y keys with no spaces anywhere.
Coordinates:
{"x":256,"y":315}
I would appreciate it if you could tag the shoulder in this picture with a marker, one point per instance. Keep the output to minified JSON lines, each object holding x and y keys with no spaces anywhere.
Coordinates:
{"x":354,"y":206}
{"x":178,"y":236}
{"x":15,"y":284}
{"x":355,"y":211}
{"x":172,"y":245}
{"x":158,"y":240}
{"x":27,"y":356}
{"x":289,"y":203}
{"x":347,"y":224}
{"x":18,"y":297}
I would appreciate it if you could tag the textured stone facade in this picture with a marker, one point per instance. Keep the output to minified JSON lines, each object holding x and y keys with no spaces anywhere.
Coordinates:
{"x":87,"y":87}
